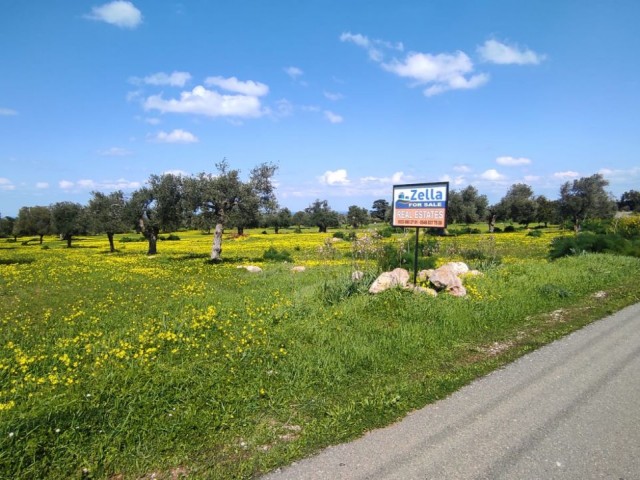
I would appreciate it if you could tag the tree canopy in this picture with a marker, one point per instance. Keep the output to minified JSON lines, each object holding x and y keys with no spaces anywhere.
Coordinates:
{"x":586,"y":198}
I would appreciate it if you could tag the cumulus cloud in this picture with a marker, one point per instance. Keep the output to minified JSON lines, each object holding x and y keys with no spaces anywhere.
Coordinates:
{"x":115,"y":152}
{"x":119,"y":13}
{"x":232,"y":84}
{"x":461,"y":168}
{"x":88,"y":185}
{"x":201,"y":101}
{"x":566,"y":175}
{"x":438,"y":72}
{"x":333,"y":117}
{"x":337,"y":177}
{"x":173,"y":79}
{"x":457,"y":180}
{"x":395,"y":179}
{"x":177,"y":173}
{"x":42,"y":185}
{"x":492,"y":175}
{"x":7,"y":112}
{"x":493,"y":51}
{"x":441,"y":72}
{"x":293,"y":72}
{"x":620,"y":175}
{"x":6,"y":184}
{"x":374,"y":47}
{"x":175,"y":136}
{"x":512,"y":161}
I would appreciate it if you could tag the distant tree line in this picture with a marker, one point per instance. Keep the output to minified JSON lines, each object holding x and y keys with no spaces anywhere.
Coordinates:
{"x":222,"y":200}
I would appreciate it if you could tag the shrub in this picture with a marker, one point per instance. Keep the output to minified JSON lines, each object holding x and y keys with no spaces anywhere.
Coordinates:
{"x":170,"y":238}
{"x":393,"y":257}
{"x":339,"y":235}
{"x":483,"y":256}
{"x":336,"y":290}
{"x":271,"y":254}
{"x":509,"y":229}
{"x":126,"y":239}
{"x":587,"y":242}
{"x":387,"y":231}
{"x":534,"y":233}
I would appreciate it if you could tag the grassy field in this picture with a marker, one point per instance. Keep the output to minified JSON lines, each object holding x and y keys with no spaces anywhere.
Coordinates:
{"x":125,"y":366}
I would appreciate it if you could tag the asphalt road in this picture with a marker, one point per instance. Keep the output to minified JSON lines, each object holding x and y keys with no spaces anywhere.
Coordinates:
{"x":570,"y":410}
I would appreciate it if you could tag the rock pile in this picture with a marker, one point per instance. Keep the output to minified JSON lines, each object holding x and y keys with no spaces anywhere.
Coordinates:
{"x":443,"y":279}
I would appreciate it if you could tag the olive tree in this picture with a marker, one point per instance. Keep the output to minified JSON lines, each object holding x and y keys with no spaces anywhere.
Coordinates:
{"x":68,"y":219}
{"x":228,"y":198}
{"x":586,"y":198}
{"x":107,"y":214}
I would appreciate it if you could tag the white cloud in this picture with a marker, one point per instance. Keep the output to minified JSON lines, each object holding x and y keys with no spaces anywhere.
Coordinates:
{"x":358,"y":39}
{"x":293,"y":72}
{"x":115,"y":152}
{"x":7,"y":112}
{"x":492,"y":175}
{"x":566,"y":175}
{"x":512,"y":161}
{"x":119,"y":13}
{"x":174,"y":79}
{"x":42,"y":185}
{"x":337,"y":177}
{"x":152,"y":121}
{"x":6,"y":184}
{"x":175,"y":136}
{"x":232,"y":84}
{"x":334,"y":97}
{"x":374,"y":47}
{"x":457,"y":180}
{"x":86,"y":184}
{"x":177,"y":173}
{"x":531,"y":178}
{"x":333,"y":117}
{"x":442,"y":72}
{"x":120,"y":184}
{"x":201,"y":101}
{"x":493,"y":51}
{"x":461,"y":168}
{"x":395,"y":179}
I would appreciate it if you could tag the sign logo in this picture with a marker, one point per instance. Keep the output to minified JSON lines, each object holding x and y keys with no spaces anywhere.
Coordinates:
{"x":421,"y":205}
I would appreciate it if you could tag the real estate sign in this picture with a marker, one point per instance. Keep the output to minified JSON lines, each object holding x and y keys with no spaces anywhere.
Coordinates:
{"x":421,"y":205}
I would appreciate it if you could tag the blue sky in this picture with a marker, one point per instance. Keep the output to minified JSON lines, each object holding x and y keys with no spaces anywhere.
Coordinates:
{"x":347,"y":97}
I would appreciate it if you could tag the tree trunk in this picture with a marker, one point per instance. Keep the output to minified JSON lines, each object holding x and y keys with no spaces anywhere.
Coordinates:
{"x":322,"y":228}
{"x":276,"y":228}
{"x":112,"y":248}
{"x":41,"y":236}
{"x":68,"y":239}
{"x":216,"y":250}
{"x":240,"y":230}
{"x":492,"y":223}
{"x":152,"y":238}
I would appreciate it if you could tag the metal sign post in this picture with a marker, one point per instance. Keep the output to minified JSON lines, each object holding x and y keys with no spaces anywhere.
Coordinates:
{"x":420,"y":205}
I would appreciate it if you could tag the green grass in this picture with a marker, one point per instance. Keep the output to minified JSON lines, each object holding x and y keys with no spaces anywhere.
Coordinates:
{"x":120,"y":365}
